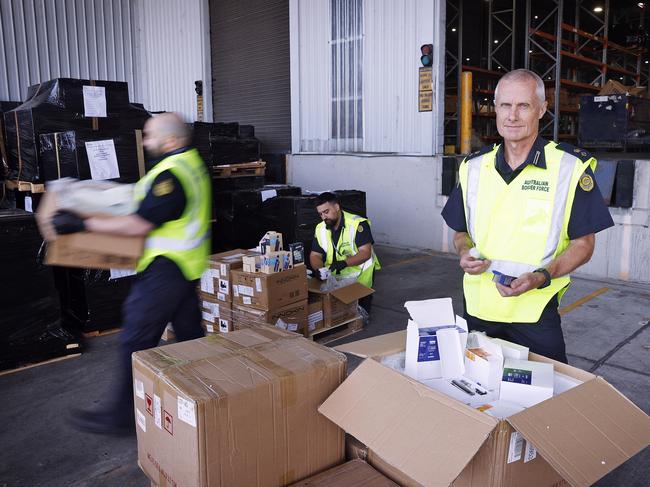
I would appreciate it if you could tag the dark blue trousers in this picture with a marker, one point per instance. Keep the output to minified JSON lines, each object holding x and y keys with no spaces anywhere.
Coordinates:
{"x":159,"y":295}
{"x":544,"y":337}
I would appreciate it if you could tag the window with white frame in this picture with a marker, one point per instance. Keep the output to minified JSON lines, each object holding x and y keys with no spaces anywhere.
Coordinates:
{"x":347,"y":70}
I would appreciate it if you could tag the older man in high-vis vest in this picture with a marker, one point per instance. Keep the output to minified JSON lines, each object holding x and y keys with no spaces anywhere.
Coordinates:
{"x":343,"y":243}
{"x":174,"y":211}
{"x":525,"y":213}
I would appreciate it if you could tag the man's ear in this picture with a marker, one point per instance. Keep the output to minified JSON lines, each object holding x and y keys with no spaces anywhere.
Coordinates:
{"x":542,"y":109}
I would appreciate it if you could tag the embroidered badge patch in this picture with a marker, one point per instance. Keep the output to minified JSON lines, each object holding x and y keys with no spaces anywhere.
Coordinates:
{"x":163,"y":188}
{"x":586,"y":182}
{"x":360,"y":228}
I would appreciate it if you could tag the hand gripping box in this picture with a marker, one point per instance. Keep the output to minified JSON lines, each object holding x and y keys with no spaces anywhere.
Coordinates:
{"x":419,"y":437}
{"x":236,"y":409}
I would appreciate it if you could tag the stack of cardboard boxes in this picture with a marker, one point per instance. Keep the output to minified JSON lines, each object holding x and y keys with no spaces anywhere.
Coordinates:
{"x":216,"y":291}
{"x":329,"y":309}
{"x":271,"y":288}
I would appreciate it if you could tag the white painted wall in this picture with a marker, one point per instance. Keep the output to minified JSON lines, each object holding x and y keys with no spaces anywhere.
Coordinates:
{"x":404,"y":205}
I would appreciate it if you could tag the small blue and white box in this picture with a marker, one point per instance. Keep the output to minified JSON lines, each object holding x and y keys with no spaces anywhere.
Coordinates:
{"x":525,"y":382}
{"x":435,"y":340}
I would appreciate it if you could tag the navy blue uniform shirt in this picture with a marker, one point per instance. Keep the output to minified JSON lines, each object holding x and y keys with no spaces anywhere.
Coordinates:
{"x":589,"y":213}
{"x":165,"y":201}
{"x":363,"y":236}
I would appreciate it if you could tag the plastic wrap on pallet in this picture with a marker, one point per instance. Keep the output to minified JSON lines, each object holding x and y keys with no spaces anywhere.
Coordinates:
{"x":30,"y":318}
{"x":91,"y":300}
{"x":353,"y":201}
{"x":226,"y":143}
{"x":293,"y":216}
{"x":66,"y":154}
{"x":57,"y":106}
{"x":5,"y":106}
{"x":293,"y":317}
{"x":240,"y":223}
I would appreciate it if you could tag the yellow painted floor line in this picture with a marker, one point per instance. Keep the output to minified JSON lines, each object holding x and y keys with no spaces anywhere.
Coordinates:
{"x":409,"y":261}
{"x":582,"y":301}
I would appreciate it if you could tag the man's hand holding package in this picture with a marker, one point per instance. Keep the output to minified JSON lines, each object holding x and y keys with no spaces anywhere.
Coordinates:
{"x":65,"y":222}
{"x":521,"y":285}
{"x":337,"y":266}
{"x":471,"y":265}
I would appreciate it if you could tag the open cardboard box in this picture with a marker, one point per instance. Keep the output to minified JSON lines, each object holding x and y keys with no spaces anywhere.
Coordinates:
{"x":340,"y":304}
{"x":418,"y":436}
{"x":85,"y":249}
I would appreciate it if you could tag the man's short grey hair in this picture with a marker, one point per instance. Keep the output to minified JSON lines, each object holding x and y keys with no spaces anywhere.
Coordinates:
{"x":524,"y":75}
{"x":172,"y":124}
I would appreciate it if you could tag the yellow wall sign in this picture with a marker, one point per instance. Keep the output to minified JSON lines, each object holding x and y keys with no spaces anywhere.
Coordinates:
{"x":425,"y":90}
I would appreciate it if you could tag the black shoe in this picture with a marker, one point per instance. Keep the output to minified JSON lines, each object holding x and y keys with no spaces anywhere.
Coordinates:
{"x":101,"y":423}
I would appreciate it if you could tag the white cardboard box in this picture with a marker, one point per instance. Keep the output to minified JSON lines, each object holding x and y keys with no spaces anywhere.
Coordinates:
{"x":511,"y":350}
{"x":483,"y":361}
{"x":525,"y":382}
{"x":425,"y":350}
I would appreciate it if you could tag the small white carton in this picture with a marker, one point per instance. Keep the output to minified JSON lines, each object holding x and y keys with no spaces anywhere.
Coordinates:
{"x":525,"y":382}
{"x":483,"y":361}
{"x":512,"y":350}
{"x":434,"y":335}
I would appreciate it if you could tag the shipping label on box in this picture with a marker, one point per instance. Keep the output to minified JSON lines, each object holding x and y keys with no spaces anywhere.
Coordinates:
{"x":269,"y":291}
{"x":215,"y":281}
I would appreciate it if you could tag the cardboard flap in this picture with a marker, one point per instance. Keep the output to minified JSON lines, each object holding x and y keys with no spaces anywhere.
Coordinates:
{"x":431,"y":312}
{"x":351,"y":293}
{"x":376,"y":346}
{"x":585,"y":432}
{"x":424,"y":434}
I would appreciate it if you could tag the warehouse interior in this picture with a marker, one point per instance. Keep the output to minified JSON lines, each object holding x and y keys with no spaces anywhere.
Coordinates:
{"x":60,"y":319}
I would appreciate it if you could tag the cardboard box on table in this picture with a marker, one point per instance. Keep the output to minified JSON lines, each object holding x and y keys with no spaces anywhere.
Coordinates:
{"x":236,"y":409}
{"x":85,"y":249}
{"x":418,"y":436}
{"x":315,"y":313}
{"x":215,"y":280}
{"x":293,"y":317}
{"x":339,"y":305}
{"x":269,"y":291}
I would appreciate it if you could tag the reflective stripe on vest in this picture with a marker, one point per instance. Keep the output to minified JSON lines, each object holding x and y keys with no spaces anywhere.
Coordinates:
{"x":166,"y":243}
{"x":515,"y":269}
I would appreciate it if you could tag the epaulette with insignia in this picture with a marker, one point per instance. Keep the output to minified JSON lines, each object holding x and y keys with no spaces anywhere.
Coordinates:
{"x":581,"y":154}
{"x":483,"y":150}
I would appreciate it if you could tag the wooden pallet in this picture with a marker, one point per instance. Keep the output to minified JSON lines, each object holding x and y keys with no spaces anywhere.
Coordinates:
{"x":101,"y":333}
{"x":38,"y":364}
{"x":25,"y":186}
{"x":243,"y":169}
{"x":335,"y":332}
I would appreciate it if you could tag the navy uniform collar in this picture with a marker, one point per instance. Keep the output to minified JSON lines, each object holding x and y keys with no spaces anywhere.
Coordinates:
{"x":342,"y":226}
{"x":535,"y":157}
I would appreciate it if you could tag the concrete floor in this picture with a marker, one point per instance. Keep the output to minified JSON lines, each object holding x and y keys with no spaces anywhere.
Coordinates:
{"x":608,"y":335}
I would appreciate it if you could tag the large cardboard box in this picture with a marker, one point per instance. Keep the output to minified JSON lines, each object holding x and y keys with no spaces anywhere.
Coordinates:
{"x":293,"y":316}
{"x":418,"y":436}
{"x":315,"y":313}
{"x":351,"y":474}
{"x":269,"y":291}
{"x":339,"y":305}
{"x":85,"y":249}
{"x":236,"y":409}
{"x":215,"y":280}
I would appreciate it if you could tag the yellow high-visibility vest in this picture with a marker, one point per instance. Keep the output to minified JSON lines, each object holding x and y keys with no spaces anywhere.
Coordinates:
{"x":520,"y":227}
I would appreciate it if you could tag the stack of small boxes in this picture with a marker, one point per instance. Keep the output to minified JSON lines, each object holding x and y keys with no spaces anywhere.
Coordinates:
{"x":216,"y":291}
{"x":271,"y":288}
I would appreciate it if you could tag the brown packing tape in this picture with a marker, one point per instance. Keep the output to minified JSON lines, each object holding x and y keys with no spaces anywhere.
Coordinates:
{"x":140,"y":150}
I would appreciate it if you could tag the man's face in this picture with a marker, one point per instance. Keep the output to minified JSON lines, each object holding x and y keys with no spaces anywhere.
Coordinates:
{"x":150,"y":139}
{"x":329,"y":213}
{"x":518,"y":110}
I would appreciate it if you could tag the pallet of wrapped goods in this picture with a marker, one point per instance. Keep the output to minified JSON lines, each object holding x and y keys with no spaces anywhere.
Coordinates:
{"x":240,"y":222}
{"x":60,"y":105}
{"x":92,"y":299}
{"x":5,"y":106}
{"x":226,"y":142}
{"x":88,"y":154}
{"x":30,"y":329}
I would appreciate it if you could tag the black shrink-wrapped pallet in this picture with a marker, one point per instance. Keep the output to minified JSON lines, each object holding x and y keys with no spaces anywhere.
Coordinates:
{"x":240,"y":223}
{"x":66,"y":154}
{"x":353,"y":201}
{"x":5,"y":106}
{"x":30,"y":320}
{"x":91,"y":300}
{"x":57,"y":106}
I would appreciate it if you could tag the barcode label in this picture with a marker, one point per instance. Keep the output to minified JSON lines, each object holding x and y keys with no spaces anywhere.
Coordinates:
{"x":516,"y":447}
{"x":531,"y":452}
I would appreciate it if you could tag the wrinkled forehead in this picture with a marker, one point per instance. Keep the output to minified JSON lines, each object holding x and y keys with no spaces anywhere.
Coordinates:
{"x":517,"y":91}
